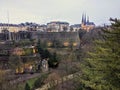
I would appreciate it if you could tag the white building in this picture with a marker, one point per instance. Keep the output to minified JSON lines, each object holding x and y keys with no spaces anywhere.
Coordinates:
{"x":75,"y":27}
{"x":57,"y":26}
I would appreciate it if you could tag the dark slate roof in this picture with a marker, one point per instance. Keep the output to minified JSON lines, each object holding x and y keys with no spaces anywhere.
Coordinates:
{"x":4,"y":24}
{"x":58,"y":22}
{"x":90,"y":23}
{"x":76,"y":25}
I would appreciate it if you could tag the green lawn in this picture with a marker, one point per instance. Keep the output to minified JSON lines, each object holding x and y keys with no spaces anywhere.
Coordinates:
{"x":31,"y":82}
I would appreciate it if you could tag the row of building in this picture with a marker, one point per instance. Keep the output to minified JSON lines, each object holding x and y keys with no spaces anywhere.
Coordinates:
{"x":54,"y":26}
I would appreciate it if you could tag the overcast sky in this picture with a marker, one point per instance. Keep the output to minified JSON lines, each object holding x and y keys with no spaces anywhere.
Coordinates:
{"x":43,"y":11}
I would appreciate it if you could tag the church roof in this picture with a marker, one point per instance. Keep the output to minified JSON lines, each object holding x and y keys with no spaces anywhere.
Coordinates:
{"x":90,"y":23}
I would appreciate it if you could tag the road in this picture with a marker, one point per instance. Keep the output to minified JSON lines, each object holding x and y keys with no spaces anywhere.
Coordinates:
{"x":24,"y":78}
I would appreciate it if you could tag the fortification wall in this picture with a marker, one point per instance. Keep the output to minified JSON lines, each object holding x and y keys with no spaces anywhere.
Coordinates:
{"x":62,"y":37}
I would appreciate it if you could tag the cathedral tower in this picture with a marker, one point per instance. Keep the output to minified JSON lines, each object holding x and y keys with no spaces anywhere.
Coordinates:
{"x":84,"y":18}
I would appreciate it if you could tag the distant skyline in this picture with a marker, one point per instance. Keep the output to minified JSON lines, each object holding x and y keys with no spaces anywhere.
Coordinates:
{"x":44,"y":11}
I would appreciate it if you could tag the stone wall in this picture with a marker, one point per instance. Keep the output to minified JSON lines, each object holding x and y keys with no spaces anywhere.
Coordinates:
{"x":62,"y":37}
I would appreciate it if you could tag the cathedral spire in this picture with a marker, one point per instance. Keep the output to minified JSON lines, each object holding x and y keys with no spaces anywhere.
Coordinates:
{"x":87,"y":19}
{"x":83,"y":18}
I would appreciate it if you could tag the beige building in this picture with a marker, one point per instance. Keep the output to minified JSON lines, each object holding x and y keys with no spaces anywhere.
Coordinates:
{"x":42,"y":28}
{"x":57,"y":26}
{"x":10,"y":27}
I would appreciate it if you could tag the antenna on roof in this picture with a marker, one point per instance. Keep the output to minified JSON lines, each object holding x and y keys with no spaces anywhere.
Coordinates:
{"x":8,"y":25}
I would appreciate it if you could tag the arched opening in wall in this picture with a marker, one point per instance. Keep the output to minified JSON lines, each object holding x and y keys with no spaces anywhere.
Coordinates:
{"x":66,"y":44}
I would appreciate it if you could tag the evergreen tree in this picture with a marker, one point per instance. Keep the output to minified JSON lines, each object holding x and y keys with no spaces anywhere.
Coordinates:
{"x":27,"y":87}
{"x":47,"y":54}
{"x":40,"y":49}
{"x":101,"y":68}
{"x":53,"y":62}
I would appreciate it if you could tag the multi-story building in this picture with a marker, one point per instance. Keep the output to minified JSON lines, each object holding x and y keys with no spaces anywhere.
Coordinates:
{"x":10,"y":27}
{"x":42,"y":28}
{"x":75,"y":27}
{"x":57,"y":26}
{"x":28,"y":26}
